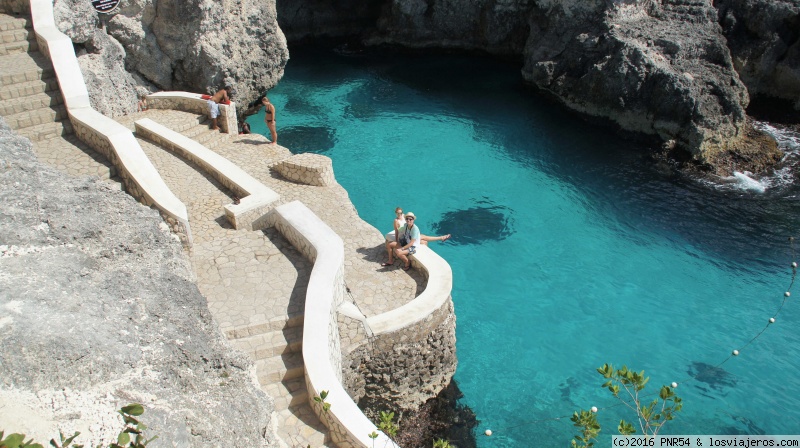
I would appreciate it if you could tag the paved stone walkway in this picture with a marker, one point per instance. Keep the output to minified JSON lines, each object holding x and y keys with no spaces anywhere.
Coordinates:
{"x":255,"y":282}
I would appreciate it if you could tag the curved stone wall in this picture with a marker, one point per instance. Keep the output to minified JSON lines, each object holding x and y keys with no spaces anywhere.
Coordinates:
{"x":349,"y":426}
{"x":407,"y":355}
{"x":194,"y":103}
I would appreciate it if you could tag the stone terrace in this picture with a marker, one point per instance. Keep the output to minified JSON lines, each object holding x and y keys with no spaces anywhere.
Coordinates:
{"x":255,"y":281}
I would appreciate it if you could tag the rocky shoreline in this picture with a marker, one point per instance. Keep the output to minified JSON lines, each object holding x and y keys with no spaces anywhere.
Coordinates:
{"x":682,"y":71}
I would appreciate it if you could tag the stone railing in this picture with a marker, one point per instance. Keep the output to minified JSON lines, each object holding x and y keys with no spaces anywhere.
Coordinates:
{"x":255,"y":198}
{"x":194,"y":103}
{"x":418,"y":311}
{"x":105,"y":135}
{"x":349,"y":427}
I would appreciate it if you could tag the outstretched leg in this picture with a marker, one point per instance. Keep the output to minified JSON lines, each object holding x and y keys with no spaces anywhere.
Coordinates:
{"x":426,"y":238}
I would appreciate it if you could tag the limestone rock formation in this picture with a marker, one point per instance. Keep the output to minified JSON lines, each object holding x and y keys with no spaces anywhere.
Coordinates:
{"x":659,"y":68}
{"x":98,"y":309}
{"x":303,"y":20}
{"x":764,"y":39}
{"x":195,"y":45}
{"x":494,"y":26}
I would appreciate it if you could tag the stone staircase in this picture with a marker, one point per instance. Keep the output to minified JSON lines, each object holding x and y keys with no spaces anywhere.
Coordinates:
{"x":279,"y":367}
{"x":32,"y":105}
{"x":275,"y":345}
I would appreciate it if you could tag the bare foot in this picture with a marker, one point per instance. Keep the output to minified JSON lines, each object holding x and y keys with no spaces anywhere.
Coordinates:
{"x":215,"y":129}
{"x":446,"y":237}
{"x":273,"y":143}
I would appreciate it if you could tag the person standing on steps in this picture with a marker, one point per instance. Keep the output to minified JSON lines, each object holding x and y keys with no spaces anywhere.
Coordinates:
{"x":222,"y":96}
{"x":269,"y":119}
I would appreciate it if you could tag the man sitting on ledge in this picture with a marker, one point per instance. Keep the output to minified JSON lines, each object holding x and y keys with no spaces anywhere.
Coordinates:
{"x":222,"y":96}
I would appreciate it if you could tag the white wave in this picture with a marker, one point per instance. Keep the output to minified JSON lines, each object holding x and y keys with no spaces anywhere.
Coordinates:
{"x":788,"y":140}
{"x":746,"y":182}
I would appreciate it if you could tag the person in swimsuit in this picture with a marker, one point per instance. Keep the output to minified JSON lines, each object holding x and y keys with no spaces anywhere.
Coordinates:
{"x":269,"y":119}
{"x":222,"y":96}
{"x":142,"y":105}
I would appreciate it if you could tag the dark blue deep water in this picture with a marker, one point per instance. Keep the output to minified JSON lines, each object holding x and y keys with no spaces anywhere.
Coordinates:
{"x":571,"y":248}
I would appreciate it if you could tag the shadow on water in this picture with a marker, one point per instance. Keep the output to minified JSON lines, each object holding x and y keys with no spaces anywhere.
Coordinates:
{"x":716,"y":377}
{"x":743,"y":426}
{"x":316,"y":139}
{"x":482,"y":222}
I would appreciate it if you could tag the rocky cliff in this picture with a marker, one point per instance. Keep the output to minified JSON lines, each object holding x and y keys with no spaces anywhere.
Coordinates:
{"x":98,"y":309}
{"x":192,"y":45}
{"x":764,"y":39}
{"x":665,"y":68}
{"x":660,"y":68}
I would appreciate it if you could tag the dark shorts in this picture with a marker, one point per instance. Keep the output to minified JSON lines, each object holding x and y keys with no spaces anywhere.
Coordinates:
{"x":412,"y":250}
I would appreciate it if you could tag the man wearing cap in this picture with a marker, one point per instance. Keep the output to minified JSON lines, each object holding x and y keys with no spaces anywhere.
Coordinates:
{"x":407,"y":244}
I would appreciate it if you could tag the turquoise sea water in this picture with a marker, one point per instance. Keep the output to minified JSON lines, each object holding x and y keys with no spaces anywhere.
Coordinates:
{"x":570,"y":248}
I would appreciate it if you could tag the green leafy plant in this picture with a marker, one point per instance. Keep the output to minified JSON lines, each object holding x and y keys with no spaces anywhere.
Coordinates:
{"x":590,"y":429}
{"x":627,"y":386}
{"x":441,"y":443}
{"x":373,"y":435}
{"x":321,"y":399}
{"x":387,"y":424}
{"x":131,"y":436}
{"x":17,"y":441}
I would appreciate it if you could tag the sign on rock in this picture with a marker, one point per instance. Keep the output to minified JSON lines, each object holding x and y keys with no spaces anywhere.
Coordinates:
{"x":105,"y":6}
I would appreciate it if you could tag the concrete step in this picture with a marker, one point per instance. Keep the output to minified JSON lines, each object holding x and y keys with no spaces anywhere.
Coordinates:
{"x":288,"y":393}
{"x":279,"y":368}
{"x":210,"y":139}
{"x":36,"y":117}
{"x":31,"y":102}
{"x":274,"y":343}
{"x":299,"y":427}
{"x":23,"y":67}
{"x":29,"y":88}
{"x":178,"y":121}
{"x":16,"y":35}
{"x":46,"y":131}
{"x":15,"y":47}
{"x":274,"y":324}
{"x":9,"y":22}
